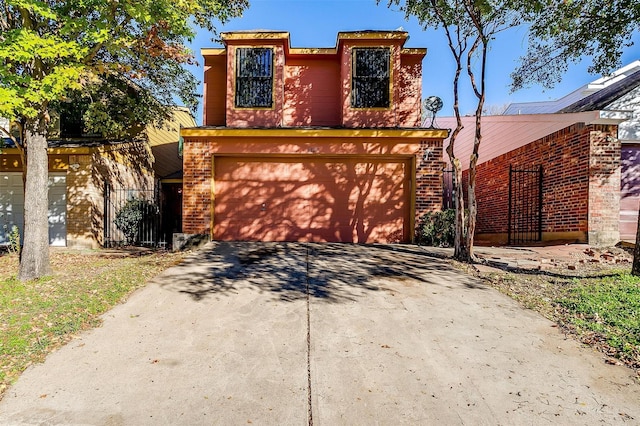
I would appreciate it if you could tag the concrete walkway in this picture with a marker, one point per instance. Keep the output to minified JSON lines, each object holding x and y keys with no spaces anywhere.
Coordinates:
{"x":299,"y":334}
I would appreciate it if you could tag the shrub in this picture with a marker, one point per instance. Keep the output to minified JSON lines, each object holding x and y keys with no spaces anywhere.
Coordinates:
{"x":14,"y":240}
{"x":130,"y":216}
{"x":436,"y":228}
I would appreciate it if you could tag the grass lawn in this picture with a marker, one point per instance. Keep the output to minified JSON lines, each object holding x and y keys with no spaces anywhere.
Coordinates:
{"x":601,"y":309}
{"x":37,"y":317}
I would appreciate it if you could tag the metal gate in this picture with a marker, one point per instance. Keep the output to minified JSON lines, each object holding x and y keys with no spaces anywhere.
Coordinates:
{"x":447,"y":189}
{"x":146,"y":231}
{"x":525,"y":205}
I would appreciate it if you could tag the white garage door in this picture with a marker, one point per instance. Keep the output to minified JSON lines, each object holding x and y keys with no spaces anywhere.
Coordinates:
{"x":12,"y":207}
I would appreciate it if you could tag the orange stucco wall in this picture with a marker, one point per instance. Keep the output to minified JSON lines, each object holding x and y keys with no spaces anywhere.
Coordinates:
{"x":311,"y":92}
{"x":312,"y":87}
{"x":215,"y":86}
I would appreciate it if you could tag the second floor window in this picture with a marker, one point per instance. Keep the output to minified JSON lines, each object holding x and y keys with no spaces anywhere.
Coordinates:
{"x":254,"y":78}
{"x":370,"y":78}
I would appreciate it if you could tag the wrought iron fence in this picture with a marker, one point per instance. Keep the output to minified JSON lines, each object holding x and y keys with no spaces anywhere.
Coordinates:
{"x":146,"y":220}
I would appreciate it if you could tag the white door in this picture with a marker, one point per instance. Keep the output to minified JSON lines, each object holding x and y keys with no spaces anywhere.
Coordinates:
{"x":11,"y":204}
{"x":12,"y":207}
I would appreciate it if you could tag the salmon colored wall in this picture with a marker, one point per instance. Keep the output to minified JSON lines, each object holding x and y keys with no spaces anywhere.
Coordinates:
{"x":369,"y":117}
{"x":409,"y":107}
{"x":311,"y":146}
{"x":312,"y":92}
{"x":312,"y":89}
{"x":256,"y":117}
{"x":215,"y":90}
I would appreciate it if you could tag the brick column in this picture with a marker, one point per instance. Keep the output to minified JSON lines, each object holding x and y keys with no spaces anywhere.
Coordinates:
{"x":604,"y":185}
{"x":196,"y":191}
{"x":429,"y":166}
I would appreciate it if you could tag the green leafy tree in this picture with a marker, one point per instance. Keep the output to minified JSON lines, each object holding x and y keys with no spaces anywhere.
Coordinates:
{"x":469,"y":26}
{"x":124,"y":59}
{"x":565,"y":32}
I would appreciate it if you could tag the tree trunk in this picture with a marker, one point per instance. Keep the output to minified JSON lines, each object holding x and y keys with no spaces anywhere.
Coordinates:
{"x":34,"y":258}
{"x":635,"y":269}
{"x":459,"y":250}
{"x":472,"y":204}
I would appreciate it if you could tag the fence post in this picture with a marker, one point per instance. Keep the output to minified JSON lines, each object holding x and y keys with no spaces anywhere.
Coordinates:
{"x":509,"y":211}
{"x":540,"y":178}
{"x":106,"y":235}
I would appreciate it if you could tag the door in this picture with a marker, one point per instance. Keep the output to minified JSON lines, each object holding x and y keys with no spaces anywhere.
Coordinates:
{"x":331,"y":199}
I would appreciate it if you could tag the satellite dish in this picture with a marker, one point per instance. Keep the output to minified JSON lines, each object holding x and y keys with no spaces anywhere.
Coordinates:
{"x":433,"y":104}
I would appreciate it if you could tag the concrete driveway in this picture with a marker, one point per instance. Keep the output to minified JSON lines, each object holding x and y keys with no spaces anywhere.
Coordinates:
{"x":324,"y":334}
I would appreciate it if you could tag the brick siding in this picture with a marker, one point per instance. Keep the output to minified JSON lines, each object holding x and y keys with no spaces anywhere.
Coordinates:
{"x":428,"y":177}
{"x":581,"y":180}
{"x":196,"y":201}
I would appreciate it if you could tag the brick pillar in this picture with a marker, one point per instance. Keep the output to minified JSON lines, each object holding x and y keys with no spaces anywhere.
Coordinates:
{"x":196,"y":187}
{"x":604,"y":186}
{"x":429,"y":166}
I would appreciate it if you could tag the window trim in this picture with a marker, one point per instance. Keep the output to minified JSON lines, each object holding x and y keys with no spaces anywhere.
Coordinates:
{"x":389,"y":77}
{"x":235,"y":78}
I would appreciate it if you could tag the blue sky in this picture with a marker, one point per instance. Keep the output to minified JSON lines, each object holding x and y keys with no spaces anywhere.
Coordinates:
{"x":316,"y":23}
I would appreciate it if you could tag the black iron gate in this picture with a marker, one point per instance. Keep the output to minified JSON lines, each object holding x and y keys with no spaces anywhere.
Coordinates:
{"x":143,"y":213}
{"x":525,"y":205}
{"x":447,"y":189}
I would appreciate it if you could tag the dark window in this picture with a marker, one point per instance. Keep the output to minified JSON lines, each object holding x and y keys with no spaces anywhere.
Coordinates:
{"x":254,"y":77}
{"x":370,"y":78}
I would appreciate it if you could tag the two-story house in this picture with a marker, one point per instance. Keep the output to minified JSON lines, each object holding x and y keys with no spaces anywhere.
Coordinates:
{"x":302,"y":144}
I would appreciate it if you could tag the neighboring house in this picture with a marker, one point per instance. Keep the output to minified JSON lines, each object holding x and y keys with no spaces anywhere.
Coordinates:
{"x":85,"y":172}
{"x":319,"y":144}
{"x":618,"y":91}
{"x":587,"y":146}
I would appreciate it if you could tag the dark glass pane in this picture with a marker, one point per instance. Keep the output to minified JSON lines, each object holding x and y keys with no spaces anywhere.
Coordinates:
{"x":370,"y":81}
{"x":254,"y":77}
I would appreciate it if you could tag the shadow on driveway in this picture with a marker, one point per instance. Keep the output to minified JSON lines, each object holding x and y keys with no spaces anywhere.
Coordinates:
{"x":328,"y":271}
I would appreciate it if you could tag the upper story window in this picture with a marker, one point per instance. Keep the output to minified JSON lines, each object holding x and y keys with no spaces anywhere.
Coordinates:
{"x":370,"y":78}
{"x":254,"y":78}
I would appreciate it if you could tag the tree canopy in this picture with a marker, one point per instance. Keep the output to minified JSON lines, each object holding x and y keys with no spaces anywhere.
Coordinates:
{"x":565,"y":32}
{"x":123,"y":59}
{"x":56,"y":50}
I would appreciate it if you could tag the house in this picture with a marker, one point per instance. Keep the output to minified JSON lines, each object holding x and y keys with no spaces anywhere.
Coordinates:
{"x":89,"y":179}
{"x":311,"y":144}
{"x":564,"y":170}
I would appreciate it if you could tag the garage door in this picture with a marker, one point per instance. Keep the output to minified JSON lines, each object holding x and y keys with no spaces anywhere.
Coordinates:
{"x":12,"y":207}
{"x":630,"y":192}
{"x":319,"y":199}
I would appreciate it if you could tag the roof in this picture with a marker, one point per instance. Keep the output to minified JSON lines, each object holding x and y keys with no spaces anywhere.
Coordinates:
{"x":602,"y":98}
{"x":504,"y":133}
{"x":599,"y":92}
{"x":243,"y":36}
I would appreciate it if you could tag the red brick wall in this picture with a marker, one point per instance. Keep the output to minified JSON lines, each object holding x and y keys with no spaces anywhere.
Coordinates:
{"x":196,"y":201}
{"x":428,"y":177}
{"x":579,"y":181}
